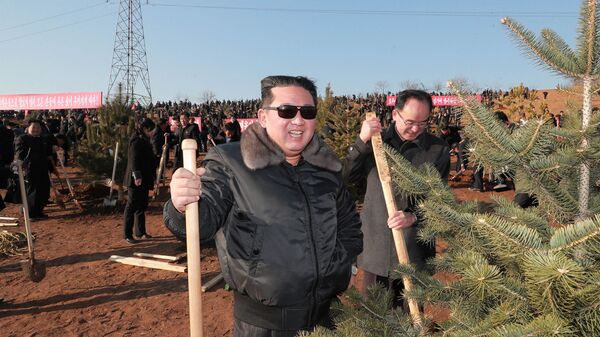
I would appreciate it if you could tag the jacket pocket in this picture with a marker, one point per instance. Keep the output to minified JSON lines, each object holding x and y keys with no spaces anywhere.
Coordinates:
{"x":339,"y":270}
{"x":244,"y":236}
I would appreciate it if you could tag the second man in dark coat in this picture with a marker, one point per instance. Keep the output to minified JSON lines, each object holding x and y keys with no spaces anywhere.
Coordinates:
{"x":409,"y":137}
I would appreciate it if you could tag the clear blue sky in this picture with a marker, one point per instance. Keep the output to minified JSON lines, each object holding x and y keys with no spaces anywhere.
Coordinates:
{"x":227,"y":46}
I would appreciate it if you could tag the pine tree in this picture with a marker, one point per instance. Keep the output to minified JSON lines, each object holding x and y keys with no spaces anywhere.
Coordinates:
{"x":551,"y":51}
{"x":338,"y":124}
{"x":517,"y":272}
{"x":116,"y":123}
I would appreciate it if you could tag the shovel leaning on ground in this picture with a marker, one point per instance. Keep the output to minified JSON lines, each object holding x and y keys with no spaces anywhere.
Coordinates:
{"x":71,"y":192}
{"x":161,"y":167}
{"x":35,"y":270}
{"x":109,"y":201}
{"x":57,"y":197}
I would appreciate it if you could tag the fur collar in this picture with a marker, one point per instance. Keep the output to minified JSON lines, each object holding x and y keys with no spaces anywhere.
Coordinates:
{"x":259,"y":151}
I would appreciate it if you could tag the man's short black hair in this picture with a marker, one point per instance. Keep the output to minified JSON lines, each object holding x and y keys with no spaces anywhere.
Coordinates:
{"x":34,"y":120}
{"x":270,"y":82}
{"x":419,"y":95}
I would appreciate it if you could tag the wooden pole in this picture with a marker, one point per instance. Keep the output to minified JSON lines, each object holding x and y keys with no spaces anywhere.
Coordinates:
{"x":192,"y":230}
{"x":161,"y":168}
{"x":114,"y":170}
{"x":388,"y":194}
{"x":25,"y":210}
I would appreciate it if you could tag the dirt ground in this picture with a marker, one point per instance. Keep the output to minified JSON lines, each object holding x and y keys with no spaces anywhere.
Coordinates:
{"x":84,"y":294}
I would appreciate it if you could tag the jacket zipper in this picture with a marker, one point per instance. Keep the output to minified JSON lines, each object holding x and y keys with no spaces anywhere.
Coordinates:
{"x":313,"y":299}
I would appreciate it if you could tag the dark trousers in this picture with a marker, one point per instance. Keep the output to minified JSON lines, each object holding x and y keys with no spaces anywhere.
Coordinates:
{"x":243,"y":329}
{"x":37,"y":188}
{"x":137,"y":202}
{"x":478,"y":178}
{"x":396,"y":286}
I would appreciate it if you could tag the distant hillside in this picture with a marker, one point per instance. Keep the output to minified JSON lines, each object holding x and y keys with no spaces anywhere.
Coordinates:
{"x":557,"y":99}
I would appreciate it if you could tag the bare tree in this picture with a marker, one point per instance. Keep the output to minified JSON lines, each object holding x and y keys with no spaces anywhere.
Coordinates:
{"x":382,"y":86}
{"x":411,"y":84}
{"x":206,"y":96}
{"x":438,"y":86}
{"x":464,"y":84}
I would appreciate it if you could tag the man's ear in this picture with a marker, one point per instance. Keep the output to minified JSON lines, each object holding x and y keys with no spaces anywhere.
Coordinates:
{"x":262,"y":117}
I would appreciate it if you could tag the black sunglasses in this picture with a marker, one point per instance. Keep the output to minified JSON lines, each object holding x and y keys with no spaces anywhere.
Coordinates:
{"x":290,"y":111}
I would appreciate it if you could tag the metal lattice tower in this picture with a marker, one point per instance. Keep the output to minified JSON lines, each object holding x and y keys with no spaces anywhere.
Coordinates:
{"x":129,"y":62}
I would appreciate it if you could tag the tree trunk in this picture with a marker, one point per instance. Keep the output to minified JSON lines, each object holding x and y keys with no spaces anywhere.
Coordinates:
{"x":584,"y":169}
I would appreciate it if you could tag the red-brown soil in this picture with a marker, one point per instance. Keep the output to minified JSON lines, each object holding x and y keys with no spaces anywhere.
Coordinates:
{"x":84,"y":294}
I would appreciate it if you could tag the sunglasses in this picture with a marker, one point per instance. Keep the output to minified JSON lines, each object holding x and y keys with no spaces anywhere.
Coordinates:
{"x":290,"y":111}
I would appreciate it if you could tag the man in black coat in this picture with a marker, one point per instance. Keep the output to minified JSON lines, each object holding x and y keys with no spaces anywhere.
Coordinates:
{"x":7,"y":152}
{"x":284,"y":223}
{"x":34,"y":151}
{"x":139,"y":179}
{"x":187,"y":130}
{"x":409,"y":137}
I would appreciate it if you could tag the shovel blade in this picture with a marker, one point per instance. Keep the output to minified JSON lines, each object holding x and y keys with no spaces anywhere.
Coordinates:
{"x":35,"y":270}
{"x":108,"y":202}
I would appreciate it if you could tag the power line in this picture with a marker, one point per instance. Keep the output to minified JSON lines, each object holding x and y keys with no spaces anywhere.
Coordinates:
{"x":50,"y":17}
{"x":57,"y":27}
{"x":544,"y":14}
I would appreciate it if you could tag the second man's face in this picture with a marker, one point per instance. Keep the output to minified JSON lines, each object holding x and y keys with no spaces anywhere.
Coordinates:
{"x":291,"y":135}
{"x":412,"y":120}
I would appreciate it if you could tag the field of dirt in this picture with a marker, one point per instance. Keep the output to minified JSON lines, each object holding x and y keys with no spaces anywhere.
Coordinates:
{"x":84,"y":294}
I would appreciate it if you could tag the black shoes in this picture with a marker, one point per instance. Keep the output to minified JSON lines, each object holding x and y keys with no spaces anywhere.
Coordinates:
{"x":131,"y":240}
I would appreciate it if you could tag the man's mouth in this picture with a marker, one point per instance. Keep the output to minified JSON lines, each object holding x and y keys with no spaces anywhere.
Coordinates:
{"x":296,"y":133}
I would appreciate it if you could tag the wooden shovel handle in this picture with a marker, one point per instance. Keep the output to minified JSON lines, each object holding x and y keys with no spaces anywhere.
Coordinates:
{"x":192,"y":233}
{"x":25,"y":209}
{"x":388,"y":194}
{"x":114,"y":170}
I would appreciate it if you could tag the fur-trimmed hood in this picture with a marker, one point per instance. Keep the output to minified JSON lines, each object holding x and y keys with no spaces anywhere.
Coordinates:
{"x":259,"y":151}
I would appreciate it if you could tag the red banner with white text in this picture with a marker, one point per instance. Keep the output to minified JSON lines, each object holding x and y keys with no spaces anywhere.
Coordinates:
{"x":244,"y":122}
{"x":437,"y":100}
{"x":70,"y":100}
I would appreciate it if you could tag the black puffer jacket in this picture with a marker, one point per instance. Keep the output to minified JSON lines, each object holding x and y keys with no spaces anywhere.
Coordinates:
{"x":286,"y":235}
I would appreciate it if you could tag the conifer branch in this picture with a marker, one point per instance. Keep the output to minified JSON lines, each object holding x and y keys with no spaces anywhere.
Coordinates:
{"x":589,"y":38}
{"x":481,"y":127}
{"x":574,"y":235}
{"x":533,"y":48}
{"x":558,"y":47}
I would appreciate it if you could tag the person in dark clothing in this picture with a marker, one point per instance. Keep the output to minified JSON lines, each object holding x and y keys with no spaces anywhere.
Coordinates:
{"x":7,"y":153}
{"x":139,"y":179}
{"x":187,"y":130}
{"x":285,"y":226}
{"x":36,"y":154}
{"x":407,"y":134}
{"x":229,"y":134}
{"x":64,"y":145}
{"x":235,"y":128}
{"x":158,"y":139}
